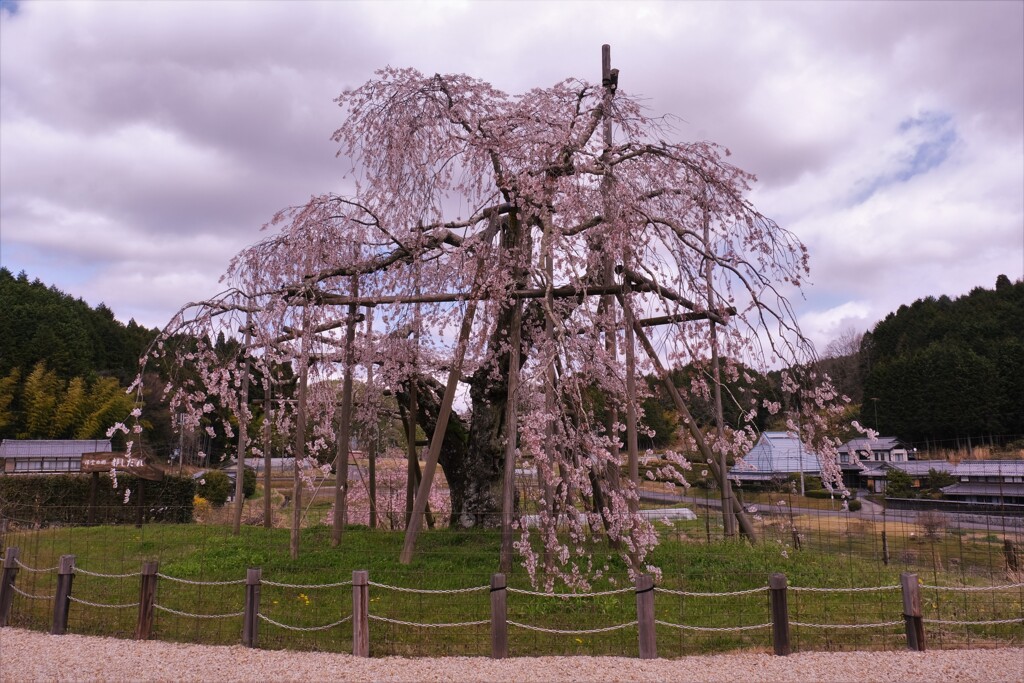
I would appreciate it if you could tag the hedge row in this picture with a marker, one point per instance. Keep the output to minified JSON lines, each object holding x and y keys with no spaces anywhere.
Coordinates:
{"x":64,"y":499}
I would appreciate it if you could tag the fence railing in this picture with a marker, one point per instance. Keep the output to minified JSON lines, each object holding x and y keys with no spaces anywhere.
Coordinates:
{"x":777,"y":616}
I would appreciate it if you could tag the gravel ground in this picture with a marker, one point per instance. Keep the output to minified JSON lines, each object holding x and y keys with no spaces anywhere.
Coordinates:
{"x":34,"y":656}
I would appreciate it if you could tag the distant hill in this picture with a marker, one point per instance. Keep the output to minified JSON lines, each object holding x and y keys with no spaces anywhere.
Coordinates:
{"x":948,"y":370}
{"x":63,"y":364}
{"x":41,"y":323}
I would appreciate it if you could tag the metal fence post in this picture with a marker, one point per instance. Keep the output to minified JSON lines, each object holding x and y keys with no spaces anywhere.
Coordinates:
{"x":147,"y":596}
{"x":361,"y":613}
{"x":645,"y":616}
{"x":778,"y":589}
{"x":499,"y":617}
{"x":62,"y":599}
{"x":250,"y":620}
{"x":10,"y":571}
{"x":912,"y":611}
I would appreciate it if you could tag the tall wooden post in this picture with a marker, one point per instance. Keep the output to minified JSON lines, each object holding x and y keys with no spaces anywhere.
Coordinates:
{"x":147,"y":598}
{"x":268,"y":512}
{"x":345,"y":428}
{"x":912,"y":611}
{"x":243,"y":433}
{"x":10,"y":573}
{"x":778,"y":589}
{"x":728,"y":519}
{"x":62,"y":599}
{"x":645,"y":616}
{"x":499,"y":617}
{"x":250,"y":618}
{"x":511,"y":434}
{"x":300,"y":451}
{"x":375,"y":429}
{"x":608,"y":267}
{"x":361,"y":613}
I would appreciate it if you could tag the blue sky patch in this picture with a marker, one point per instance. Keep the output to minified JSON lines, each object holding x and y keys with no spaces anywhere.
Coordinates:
{"x":9,"y":6}
{"x":927,"y":140}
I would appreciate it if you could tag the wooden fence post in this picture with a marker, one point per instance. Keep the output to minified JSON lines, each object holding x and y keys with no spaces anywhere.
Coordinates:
{"x":1010,"y":552}
{"x":147,"y":596}
{"x":645,"y":616}
{"x":778,"y":590}
{"x":361,"y":613}
{"x":499,"y":617}
{"x":10,"y":571}
{"x":62,"y":599}
{"x":912,"y":611}
{"x":250,"y":620}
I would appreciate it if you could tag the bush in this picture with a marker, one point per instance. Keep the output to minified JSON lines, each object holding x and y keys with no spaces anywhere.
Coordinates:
{"x":64,"y":499}
{"x":215,"y":486}
{"x":855,"y":505}
{"x":248,"y":482}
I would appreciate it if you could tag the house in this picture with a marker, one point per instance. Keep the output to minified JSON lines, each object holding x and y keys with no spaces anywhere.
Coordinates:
{"x":987,"y":481}
{"x":774,"y":457}
{"x":47,"y":457}
{"x":856,"y":456}
{"x":874,"y":475}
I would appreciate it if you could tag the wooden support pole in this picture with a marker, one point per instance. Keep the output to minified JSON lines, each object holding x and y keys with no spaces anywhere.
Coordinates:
{"x":250,"y":619}
{"x":243,"y":434}
{"x":374,"y":430}
{"x":147,"y":598}
{"x":645,"y":616}
{"x":413,"y":529}
{"x":499,"y":617}
{"x":344,"y":429}
{"x":62,"y":599}
{"x":268,"y":512}
{"x":511,"y":434}
{"x":300,"y":453}
{"x":361,"y":613}
{"x":777,"y":590}
{"x":745,"y":525}
{"x":912,"y":611}
{"x":10,"y":572}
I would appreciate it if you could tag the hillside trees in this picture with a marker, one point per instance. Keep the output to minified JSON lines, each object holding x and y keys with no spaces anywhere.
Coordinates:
{"x":62,"y":363}
{"x":510,"y":245}
{"x":949,"y":371}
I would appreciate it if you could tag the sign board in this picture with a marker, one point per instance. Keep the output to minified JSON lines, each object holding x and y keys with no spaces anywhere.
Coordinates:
{"x":104,"y":462}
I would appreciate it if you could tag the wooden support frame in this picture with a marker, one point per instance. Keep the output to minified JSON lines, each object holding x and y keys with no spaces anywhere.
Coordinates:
{"x":911,"y":590}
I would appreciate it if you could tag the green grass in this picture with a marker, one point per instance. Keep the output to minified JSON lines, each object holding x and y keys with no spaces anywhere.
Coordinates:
{"x":449,"y":559}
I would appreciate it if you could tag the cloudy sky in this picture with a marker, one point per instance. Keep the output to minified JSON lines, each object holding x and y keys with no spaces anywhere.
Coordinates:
{"x":142,"y":144}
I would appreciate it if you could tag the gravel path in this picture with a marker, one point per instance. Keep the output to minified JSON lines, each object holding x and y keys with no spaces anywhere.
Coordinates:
{"x":34,"y":656}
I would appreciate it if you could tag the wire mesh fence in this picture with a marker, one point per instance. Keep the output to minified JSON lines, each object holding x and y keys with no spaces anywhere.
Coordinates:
{"x":711,"y":595}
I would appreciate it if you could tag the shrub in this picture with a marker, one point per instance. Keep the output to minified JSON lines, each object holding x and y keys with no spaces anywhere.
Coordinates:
{"x":248,"y":482}
{"x":855,"y":505}
{"x":215,"y":486}
{"x":64,"y":498}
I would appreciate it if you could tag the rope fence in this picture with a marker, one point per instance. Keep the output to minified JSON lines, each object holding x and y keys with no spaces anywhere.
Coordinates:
{"x":645,"y":623}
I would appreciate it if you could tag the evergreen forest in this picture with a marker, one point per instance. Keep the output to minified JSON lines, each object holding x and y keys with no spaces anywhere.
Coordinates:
{"x":937,"y":373}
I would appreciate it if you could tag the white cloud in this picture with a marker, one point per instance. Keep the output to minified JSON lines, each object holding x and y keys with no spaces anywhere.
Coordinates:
{"x":144,"y":143}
